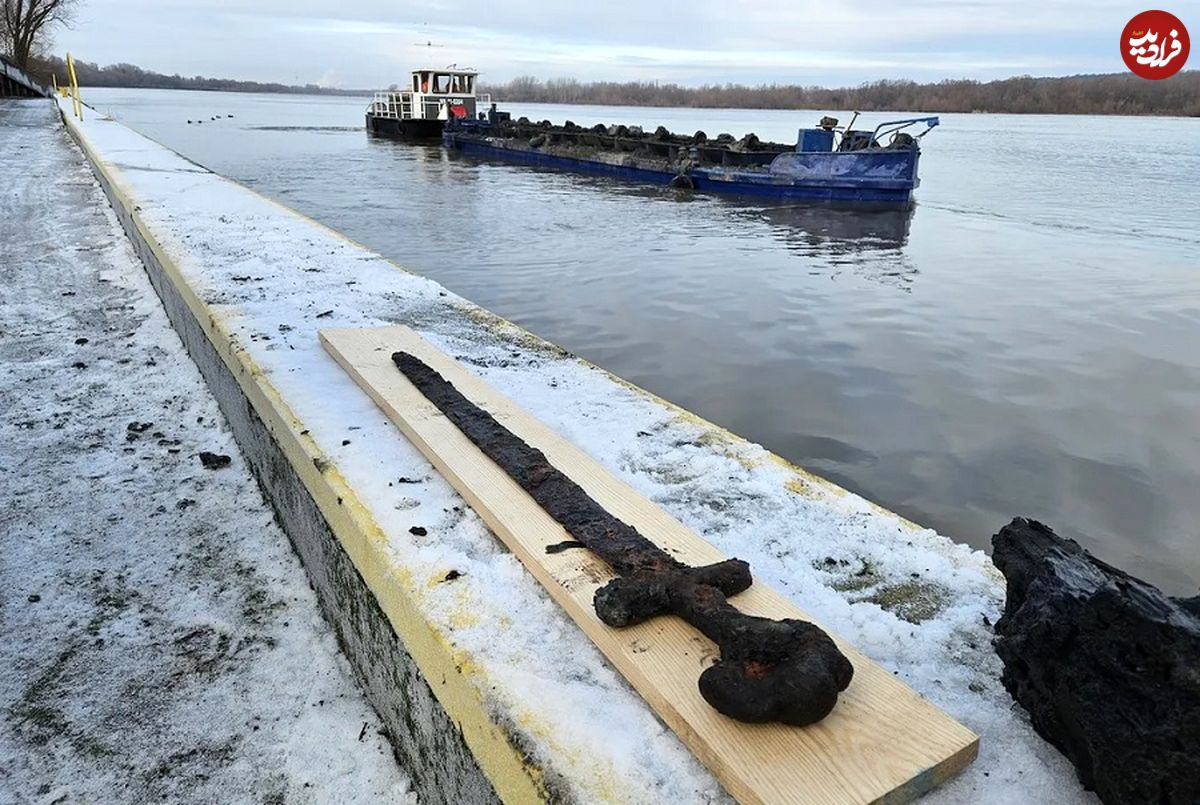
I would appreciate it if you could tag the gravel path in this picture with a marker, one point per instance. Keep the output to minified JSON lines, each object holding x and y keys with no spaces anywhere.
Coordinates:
{"x":158,"y":637}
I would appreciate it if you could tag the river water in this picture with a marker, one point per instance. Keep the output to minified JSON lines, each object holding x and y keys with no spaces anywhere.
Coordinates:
{"x":1025,"y":342}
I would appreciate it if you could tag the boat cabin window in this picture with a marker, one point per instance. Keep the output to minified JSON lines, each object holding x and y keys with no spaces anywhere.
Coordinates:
{"x":443,"y":83}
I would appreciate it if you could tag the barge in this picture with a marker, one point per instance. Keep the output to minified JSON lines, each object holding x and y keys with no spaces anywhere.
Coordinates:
{"x":420,"y":111}
{"x":828,"y":163}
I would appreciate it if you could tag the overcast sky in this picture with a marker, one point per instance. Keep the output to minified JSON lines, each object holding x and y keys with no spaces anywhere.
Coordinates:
{"x":373,"y":43}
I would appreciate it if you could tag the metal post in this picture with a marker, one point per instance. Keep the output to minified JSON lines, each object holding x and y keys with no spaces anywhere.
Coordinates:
{"x":76,"y":104}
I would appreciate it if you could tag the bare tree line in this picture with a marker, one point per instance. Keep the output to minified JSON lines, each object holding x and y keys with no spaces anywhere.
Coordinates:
{"x":130,"y":75}
{"x":1117,"y":94}
{"x":25,"y":26}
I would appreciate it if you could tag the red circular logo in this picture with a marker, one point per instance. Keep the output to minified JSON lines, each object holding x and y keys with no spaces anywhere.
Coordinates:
{"x":1155,"y":45}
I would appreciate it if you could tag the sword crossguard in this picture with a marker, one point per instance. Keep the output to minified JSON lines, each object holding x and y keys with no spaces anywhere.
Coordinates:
{"x":628,"y":600}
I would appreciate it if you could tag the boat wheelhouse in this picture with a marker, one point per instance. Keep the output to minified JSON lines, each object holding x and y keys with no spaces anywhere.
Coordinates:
{"x":420,"y":110}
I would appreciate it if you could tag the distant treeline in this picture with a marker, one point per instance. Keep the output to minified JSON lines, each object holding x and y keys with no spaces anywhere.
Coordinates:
{"x":1112,"y":94}
{"x":130,"y":75}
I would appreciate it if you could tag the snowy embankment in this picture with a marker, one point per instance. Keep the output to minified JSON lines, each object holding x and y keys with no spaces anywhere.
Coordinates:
{"x":915,"y":602}
{"x":158,"y":638}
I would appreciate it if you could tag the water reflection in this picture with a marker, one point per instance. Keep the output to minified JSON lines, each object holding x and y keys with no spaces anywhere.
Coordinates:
{"x":812,"y":227}
{"x":431,"y":161}
{"x":833,"y":241}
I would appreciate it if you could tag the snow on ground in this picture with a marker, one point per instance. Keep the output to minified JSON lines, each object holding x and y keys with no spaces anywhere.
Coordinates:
{"x":917,"y":603}
{"x":158,"y":637}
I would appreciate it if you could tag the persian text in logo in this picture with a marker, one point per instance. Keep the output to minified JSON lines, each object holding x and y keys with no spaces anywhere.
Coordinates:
{"x":1155,"y":45}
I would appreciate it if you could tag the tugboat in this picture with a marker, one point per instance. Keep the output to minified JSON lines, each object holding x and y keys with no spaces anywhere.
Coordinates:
{"x":421,"y":111}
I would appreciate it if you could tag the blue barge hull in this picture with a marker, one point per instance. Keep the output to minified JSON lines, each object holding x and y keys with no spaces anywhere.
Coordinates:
{"x":878,"y":177}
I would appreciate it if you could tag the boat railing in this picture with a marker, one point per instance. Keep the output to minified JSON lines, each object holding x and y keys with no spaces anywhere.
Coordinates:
{"x":894,"y":126}
{"x":390,"y":104}
{"x":399,"y":105}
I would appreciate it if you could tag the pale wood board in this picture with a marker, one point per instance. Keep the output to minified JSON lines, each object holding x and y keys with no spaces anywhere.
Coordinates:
{"x":882,"y":741}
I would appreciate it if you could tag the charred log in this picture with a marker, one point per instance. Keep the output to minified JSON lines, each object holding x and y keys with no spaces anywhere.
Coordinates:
{"x":1106,"y":665}
{"x":786,"y":670}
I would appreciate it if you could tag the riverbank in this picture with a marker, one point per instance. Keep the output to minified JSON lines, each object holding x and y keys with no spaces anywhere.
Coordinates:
{"x":158,"y":637}
{"x":249,"y":283}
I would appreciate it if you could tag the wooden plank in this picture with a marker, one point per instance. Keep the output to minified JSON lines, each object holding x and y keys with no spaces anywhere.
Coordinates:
{"x":882,"y":741}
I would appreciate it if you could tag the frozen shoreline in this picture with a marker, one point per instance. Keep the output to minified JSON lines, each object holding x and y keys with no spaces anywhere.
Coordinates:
{"x":912,"y":600}
{"x":160,"y":638}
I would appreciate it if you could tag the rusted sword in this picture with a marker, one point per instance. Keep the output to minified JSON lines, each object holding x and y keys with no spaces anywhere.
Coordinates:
{"x":769,"y":670}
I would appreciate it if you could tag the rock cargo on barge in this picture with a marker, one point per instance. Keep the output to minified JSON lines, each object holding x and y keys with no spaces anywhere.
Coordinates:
{"x":828,"y":163}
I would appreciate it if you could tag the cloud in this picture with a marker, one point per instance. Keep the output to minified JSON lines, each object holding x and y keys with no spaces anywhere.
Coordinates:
{"x":369,"y":43}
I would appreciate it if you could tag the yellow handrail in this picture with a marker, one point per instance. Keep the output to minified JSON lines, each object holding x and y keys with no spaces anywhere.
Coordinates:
{"x":75,"y":102}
